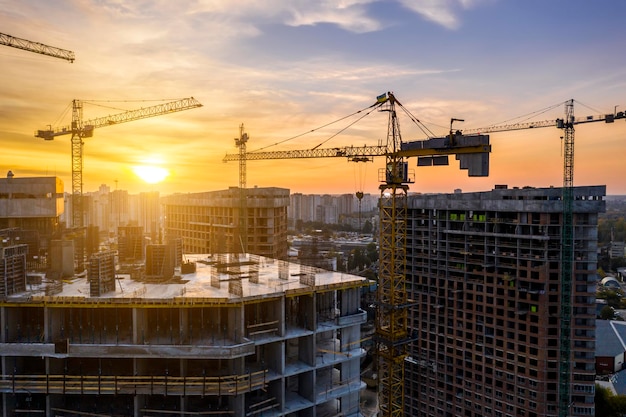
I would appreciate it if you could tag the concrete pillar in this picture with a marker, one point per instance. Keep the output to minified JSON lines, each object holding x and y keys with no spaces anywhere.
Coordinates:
{"x":4,"y":371}
{"x":350,"y":301}
{"x":307,"y":312}
{"x":184,"y":399}
{"x":140,"y":331}
{"x":236,"y":324}
{"x":3,"y":320}
{"x":306,"y":385}
{"x":183,"y":324}
{"x":279,"y":313}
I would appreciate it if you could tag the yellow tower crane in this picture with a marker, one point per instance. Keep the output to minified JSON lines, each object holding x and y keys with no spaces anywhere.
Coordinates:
{"x":36,"y":47}
{"x":240,"y":142}
{"x":392,"y":334}
{"x":80,"y":129}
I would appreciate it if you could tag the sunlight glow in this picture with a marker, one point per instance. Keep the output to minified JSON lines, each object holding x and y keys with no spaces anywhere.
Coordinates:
{"x":150,"y":173}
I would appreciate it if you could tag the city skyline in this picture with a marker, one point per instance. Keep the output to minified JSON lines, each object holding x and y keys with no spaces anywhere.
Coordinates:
{"x":286,"y":69}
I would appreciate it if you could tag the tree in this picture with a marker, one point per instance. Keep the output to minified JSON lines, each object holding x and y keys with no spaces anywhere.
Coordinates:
{"x":609,"y":404}
{"x":372,"y":252}
{"x":607,"y":313}
{"x":367,"y":227}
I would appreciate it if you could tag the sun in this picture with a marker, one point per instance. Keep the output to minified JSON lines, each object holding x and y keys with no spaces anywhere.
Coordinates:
{"x":150,"y":173}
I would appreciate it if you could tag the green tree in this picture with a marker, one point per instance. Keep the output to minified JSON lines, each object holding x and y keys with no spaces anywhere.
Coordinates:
{"x":603,"y":401}
{"x":607,"y":313}
{"x":609,"y":404}
{"x":372,"y":252}
{"x":614,"y":298}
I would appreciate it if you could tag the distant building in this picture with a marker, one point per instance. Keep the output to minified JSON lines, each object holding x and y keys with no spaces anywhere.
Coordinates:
{"x":610,"y":283}
{"x":328,"y":208}
{"x":610,"y":346}
{"x":617,"y":249}
{"x":210,"y":222}
{"x":148,"y":214}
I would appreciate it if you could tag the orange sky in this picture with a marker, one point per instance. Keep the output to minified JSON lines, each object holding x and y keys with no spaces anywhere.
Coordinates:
{"x":282,"y":76}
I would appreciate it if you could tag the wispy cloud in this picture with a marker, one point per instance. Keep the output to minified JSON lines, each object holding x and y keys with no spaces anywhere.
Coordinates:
{"x":442,"y":12}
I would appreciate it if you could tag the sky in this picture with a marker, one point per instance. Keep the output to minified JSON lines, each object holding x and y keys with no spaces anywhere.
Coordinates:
{"x":291,"y":71}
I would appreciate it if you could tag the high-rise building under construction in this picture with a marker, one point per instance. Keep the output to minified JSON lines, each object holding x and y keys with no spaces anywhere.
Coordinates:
{"x":253,"y":221}
{"x":485,"y":274}
{"x":240,"y":335}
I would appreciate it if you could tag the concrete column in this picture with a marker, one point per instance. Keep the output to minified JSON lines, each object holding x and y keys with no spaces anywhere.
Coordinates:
{"x":47,"y":322}
{"x":279,"y":313}
{"x":236,"y":324}
{"x":306,"y":385}
{"x":184,"y":399}
{"x":307,"y":312}
{"x":140,"y":331}
{"x":4,"y":369}
{"x":3,"y":321}
{"x":139,"y":399}
{"x":183,"y":324}
{"x":350,"y":301}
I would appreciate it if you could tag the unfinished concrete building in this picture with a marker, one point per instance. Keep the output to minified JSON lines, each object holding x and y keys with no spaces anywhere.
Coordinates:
{"x":130,"y":243}
{"x":484,"y":270}
{"x":210,"y":222}
{"x":243,"y":335}
{"x":12,"y":268}
{"x":32,"y":207}
{"x":101,"y":273}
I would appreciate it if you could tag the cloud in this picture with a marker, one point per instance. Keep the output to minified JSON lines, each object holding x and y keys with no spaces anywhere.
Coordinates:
{"x":348,"y":15}
{"x":442,"y":12}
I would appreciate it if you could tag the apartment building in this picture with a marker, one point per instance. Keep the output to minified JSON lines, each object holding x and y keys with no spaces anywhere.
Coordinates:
{"x":210,"y":222}
{"x":484,"y":272}
{"x":328,"y":208}
{"x":241,"y":335}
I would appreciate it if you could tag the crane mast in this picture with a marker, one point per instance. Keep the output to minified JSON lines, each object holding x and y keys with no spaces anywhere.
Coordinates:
{"x":392,"y":304}
{"x":78,"y":133}
{"x":567,"y":261}
{"x":240,"y":142}
{"x":567,"y":274}
{"x":36,"y":47}
{"x":80,"y":129}
{"x":392,"y":334}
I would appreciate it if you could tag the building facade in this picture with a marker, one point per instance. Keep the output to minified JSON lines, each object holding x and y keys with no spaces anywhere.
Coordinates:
{"x":30,"y":213}
{"x":242,"y":335}
{"x":210,"y":222}
{"x":484,"y":271}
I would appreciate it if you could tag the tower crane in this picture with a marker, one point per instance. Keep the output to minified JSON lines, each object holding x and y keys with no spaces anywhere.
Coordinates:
{"x":241,"y":142}
{"x":80,"y":129}
{"x":567,"y":232}
{"x":392,"y":334}
{"x":36,"y":47}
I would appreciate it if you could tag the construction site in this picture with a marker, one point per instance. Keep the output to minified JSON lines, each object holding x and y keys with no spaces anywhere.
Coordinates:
{"x":242,"y":335}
